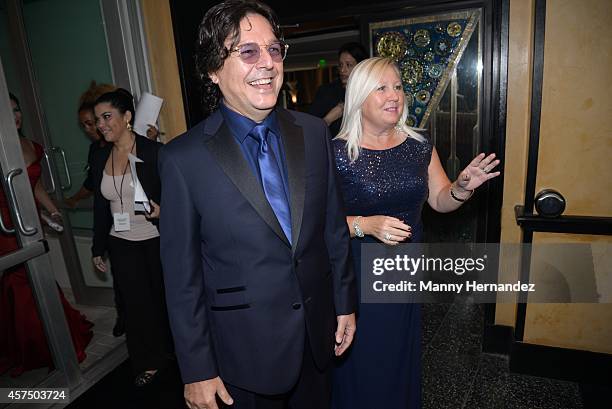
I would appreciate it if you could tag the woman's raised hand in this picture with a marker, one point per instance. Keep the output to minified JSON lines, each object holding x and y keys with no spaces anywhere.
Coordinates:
{"x":478,"y":172}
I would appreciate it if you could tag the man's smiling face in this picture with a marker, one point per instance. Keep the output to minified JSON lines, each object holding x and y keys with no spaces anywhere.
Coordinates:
{"x":251,"y":89}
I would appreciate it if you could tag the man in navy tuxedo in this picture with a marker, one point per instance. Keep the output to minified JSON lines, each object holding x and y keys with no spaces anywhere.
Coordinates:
{"x":255,"y":246}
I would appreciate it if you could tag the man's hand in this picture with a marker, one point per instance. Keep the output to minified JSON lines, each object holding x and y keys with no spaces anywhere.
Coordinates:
{"x":202,"y":395}
{"x":344,"y":333}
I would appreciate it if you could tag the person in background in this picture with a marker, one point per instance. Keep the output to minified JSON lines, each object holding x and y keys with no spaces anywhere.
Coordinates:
{"x":387,"y":171}
{"x":23,"y":343}
{"x":329,"y":100}
{"x":87,"y":122}
{"x":153,"y":133}
{"x":130,"y":237}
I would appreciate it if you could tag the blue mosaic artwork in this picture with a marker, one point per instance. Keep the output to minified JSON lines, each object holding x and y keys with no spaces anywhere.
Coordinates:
{"x":426,"y":50}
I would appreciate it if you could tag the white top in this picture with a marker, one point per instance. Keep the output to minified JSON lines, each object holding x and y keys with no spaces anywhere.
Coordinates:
{"x":140,"y":227}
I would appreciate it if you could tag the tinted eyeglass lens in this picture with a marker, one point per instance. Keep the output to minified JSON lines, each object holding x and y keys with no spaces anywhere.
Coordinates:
{"x":250,"y":52}
{"x":276,"y":51}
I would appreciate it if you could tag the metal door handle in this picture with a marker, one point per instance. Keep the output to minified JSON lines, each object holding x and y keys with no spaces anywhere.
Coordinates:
{"x":69,"y":183}
{"x":26,"y":231}
{"x":3,"y":227}
{"x":50,"y":173}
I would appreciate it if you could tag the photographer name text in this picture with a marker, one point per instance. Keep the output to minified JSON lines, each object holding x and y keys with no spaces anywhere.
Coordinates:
{"x":467,"y":286}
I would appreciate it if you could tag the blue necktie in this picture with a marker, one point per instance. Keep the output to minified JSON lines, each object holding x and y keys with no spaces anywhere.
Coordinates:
{"x":271,"y":179}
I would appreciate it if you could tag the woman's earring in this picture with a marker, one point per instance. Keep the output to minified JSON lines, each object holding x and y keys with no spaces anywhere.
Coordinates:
{"x":129,"y":126}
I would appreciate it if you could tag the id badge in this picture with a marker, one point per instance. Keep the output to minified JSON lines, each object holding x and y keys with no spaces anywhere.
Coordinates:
{"x":121,"y":221}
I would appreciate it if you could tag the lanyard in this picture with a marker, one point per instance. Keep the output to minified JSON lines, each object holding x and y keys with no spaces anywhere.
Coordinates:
{"x":120,"y":191}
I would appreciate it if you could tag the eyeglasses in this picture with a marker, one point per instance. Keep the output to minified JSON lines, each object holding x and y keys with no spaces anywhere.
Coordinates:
{"x":250,"y":53}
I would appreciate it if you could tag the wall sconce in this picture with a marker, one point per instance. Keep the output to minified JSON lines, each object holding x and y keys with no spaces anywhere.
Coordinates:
{"x":293,"y":91}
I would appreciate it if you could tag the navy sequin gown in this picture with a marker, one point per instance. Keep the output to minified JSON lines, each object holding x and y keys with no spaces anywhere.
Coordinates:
{"x":382,"y":369}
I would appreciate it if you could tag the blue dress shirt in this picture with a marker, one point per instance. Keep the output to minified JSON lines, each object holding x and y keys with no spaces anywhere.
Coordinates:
{"x":240,"y":126}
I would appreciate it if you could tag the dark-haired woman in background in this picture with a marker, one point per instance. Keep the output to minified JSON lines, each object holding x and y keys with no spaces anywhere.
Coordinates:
{"x":329,"y":101}
{"x":131,"y":238}
{"x":23,"y":344}
{"x":87,"y":122}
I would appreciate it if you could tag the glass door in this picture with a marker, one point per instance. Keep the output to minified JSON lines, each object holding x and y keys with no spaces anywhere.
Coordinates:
{"x":35,"y":343}
{"x":455,"y":129}
{"x":63,"y":49}
{"x":51,"y":50}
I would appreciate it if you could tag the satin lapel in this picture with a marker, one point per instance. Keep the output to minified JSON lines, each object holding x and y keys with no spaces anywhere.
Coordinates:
{"x":293,"y":144}
{"x":229,"y":156}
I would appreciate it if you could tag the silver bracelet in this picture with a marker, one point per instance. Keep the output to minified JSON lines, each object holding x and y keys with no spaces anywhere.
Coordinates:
{"x":457,"y":198}
{"x":357,"y":227}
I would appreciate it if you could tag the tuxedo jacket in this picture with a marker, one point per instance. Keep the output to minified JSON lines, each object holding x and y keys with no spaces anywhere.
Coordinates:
{"x":147,"y":151}
{"x":241,"y":298}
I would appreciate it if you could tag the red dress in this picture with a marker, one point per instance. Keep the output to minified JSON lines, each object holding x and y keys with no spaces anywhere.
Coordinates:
{"x":23,"y":344}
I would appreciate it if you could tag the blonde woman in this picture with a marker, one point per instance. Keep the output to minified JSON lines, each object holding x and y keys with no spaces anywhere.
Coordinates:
{"x":387,"y":172}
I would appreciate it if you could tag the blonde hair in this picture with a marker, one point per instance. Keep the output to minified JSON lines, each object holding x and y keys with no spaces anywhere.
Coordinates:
{"x":364,"y":79}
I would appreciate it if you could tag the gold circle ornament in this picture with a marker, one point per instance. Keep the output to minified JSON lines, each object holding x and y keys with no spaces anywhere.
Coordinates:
{"x":423,"y":96}
{"x":453,"y":29}
{"x":412,"y":72}
{"x":422,"y":38}
{"x":392,"y":45}
{"x":409,"y":99}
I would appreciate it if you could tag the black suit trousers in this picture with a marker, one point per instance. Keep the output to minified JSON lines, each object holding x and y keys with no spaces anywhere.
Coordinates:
{"x":312,"y":391}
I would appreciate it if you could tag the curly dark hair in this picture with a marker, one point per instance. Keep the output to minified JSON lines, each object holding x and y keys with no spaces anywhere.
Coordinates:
{"x":220,"y":23}
{"x":95,"y":90}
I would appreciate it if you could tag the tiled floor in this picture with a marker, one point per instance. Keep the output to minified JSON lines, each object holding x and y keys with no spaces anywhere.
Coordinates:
{"x":27,"y":379}
{"x":117,"y":391}
{"x":456,"y":374}
{"x":103,"y":341}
